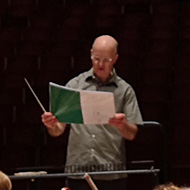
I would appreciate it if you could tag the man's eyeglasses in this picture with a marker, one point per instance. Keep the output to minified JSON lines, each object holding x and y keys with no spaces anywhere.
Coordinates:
{"x":98,"y":60}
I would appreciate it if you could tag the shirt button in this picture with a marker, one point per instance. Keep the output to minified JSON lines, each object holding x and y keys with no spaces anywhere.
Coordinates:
{"x":92,"y":149}
{"x":93,"y":136}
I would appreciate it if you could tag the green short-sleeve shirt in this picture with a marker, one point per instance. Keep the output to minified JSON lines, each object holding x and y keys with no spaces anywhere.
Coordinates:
{"x":97,"y":145}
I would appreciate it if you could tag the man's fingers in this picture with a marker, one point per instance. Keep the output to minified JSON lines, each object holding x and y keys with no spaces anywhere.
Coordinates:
{"x":48,"y":118}
{"x":119,"y":116}
{"x":47,"y":114}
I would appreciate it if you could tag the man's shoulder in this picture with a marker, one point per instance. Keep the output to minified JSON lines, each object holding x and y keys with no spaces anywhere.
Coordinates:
{"x":80,"y":78}
{"x":124,"y":86}
{"x":123,"y":83}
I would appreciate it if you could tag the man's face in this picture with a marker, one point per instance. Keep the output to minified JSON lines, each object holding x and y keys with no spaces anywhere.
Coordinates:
{"x":103,"y":61}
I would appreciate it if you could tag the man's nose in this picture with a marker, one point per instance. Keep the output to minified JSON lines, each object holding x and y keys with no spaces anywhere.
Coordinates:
{"x":101,"y":62}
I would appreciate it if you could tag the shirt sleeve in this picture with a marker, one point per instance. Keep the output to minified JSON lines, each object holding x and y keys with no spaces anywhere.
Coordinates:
{"x":131,"y":107}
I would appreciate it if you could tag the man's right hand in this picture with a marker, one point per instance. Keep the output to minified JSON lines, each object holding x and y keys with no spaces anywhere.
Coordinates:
{"x":54,"y":127}
{"x":49,"y":120}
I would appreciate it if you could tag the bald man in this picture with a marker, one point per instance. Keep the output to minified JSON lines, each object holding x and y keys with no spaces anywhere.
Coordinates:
{"x":100,"y":145}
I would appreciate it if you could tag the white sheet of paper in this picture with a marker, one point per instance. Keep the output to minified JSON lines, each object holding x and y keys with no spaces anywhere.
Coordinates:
{"x":97,"y":107}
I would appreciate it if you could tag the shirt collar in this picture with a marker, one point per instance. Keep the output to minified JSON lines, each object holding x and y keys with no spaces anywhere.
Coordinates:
{"x":113,"y":79}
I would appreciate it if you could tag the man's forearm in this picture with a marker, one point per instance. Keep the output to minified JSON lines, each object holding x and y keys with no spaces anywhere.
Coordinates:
{"x":129,"y":131}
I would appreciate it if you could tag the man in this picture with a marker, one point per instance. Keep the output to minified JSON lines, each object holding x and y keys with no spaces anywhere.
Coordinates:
{"x":95,"y":145}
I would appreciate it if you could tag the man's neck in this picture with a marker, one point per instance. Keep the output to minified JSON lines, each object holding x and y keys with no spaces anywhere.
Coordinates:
{"x":102,"y":80}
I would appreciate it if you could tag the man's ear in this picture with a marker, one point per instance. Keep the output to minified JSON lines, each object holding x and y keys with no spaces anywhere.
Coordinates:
{"x":91,"y":51}
{"x":116,"y":58}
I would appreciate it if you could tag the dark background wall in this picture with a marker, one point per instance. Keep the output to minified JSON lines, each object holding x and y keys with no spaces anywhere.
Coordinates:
{"x":50,"y":41}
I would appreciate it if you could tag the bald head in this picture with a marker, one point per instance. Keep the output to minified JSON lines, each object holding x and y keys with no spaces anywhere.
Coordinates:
{"x":104,"y":56}
{"x":106,"y":43}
